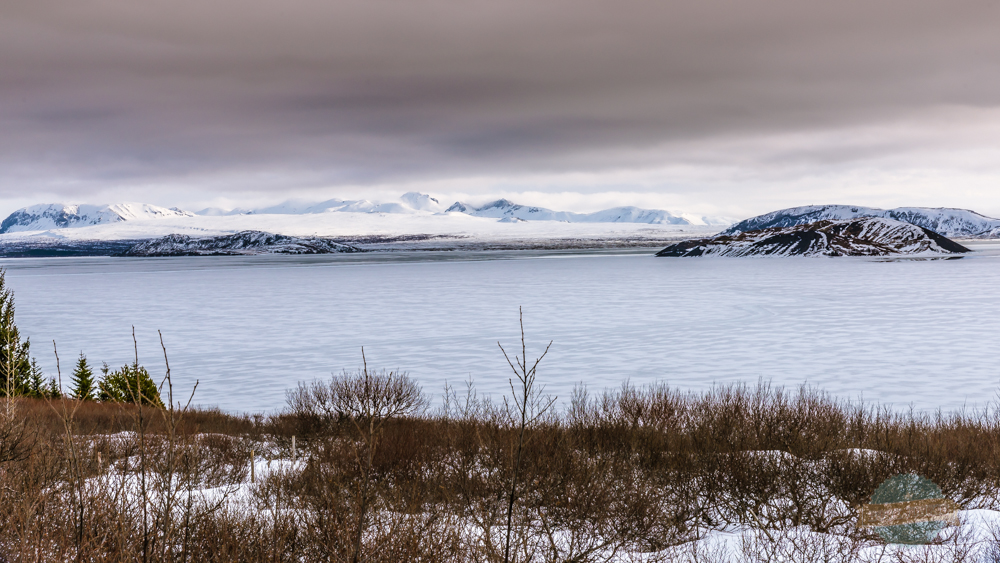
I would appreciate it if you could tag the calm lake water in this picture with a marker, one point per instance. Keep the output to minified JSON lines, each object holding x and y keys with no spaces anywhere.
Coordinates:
{"x":248,"y":328}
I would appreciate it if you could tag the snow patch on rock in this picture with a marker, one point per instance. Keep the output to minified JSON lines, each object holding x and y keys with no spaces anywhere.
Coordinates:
{"x":870,"y":236}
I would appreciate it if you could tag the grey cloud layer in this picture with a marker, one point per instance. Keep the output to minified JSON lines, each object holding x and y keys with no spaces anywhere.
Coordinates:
{"x":116,"y":91}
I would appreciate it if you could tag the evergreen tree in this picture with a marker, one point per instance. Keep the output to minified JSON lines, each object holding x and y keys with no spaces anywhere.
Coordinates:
{"x":53,"y":392}
{"x":15,"y":367}
{"x":36,"y":381}
{"x":82,"y":384}
{"x":130,"y":384}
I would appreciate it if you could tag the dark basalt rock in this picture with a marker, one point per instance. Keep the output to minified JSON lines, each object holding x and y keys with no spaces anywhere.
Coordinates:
{"x":51,"y":247}
{"x":868,"y":236}
{"x":241,"y":243}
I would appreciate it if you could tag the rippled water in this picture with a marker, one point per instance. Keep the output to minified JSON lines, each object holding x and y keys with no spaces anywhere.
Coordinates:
{"x":921,"y":332}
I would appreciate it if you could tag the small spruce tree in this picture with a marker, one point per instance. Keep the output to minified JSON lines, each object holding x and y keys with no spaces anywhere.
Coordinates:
{"x":54,"y":391}
{"x":15,"y":366}
{"x":36,"y":381}
{"x":82,"y":384}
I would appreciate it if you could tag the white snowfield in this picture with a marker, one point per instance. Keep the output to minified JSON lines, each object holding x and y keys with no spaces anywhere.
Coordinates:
{"x":950,"y":222}
{"x":414,"y":214}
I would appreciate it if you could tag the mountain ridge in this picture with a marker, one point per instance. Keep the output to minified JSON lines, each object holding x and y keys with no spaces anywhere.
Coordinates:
{"x":506,"y":209}
{"x":947,"y":221}
{"x":42,"y":217}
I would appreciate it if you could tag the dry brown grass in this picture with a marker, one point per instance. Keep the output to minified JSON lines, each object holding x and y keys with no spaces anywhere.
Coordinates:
{"x":108,"y":418}
{"x":630,"y":470}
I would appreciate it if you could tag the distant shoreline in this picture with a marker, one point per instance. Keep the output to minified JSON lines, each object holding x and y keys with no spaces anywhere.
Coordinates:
{"x":26,"y":248}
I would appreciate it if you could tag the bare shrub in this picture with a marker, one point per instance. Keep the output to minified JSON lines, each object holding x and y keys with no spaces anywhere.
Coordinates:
{"x":353,"y":408}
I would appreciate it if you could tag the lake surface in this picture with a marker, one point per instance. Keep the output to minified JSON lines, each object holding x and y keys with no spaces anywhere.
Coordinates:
{"x":248,"y":328}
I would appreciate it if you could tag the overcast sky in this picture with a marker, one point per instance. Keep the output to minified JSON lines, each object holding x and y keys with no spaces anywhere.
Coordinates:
{"x":726,"y":107}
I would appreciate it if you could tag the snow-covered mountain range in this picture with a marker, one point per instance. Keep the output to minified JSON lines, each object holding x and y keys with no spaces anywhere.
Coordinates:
{"x":501,"y":209}
{"x":505,"y":209}
{"x":868,"y":236}
{"x":950,"y":222}
{"x":957,"y":223}
{"x":419,"y":221}
{"x":409,"y":203}
{"x":59,"y":216}
{"x":413,"y":222}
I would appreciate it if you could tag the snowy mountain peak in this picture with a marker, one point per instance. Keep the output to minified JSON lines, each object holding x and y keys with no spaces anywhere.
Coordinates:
{"x":500,"y":204}
{"x":421,"y":202}
{"x":459,"y":207}
{"x":949,"y":222}
{"x":59,"y":216}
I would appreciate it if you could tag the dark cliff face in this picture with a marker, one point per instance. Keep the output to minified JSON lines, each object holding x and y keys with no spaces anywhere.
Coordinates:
{"x":244,"y":242}
{"x":14,"y":219}
{"x":22,"y":217}
{"x":861,"y":237}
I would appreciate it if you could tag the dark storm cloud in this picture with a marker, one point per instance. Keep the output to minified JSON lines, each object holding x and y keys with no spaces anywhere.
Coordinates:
{"x":355,"y":91}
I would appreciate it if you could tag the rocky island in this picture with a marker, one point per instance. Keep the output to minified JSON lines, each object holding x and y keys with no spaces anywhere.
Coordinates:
{"x":868,"y":236}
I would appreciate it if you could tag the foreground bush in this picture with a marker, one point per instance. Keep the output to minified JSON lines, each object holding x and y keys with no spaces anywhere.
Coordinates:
{"x":634,"y":471}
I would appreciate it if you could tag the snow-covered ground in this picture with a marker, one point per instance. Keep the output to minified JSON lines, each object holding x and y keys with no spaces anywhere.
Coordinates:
{"x":976,"y":538}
